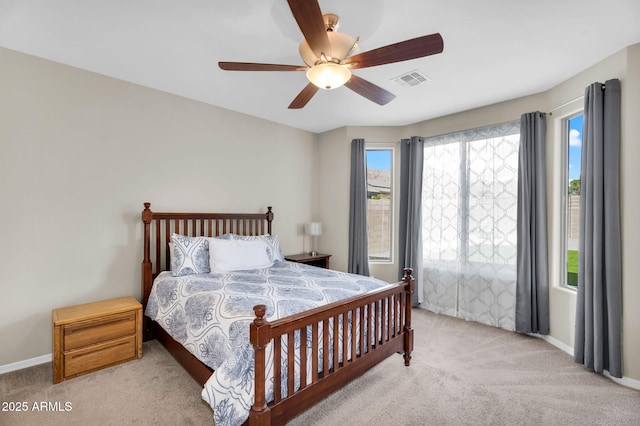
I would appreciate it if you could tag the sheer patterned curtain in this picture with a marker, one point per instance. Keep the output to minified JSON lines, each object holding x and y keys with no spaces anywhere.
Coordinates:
{"x":469,"y":224}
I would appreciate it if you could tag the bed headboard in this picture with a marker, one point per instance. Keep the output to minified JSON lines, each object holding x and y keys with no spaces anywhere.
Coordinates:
{"x":158,"y":228}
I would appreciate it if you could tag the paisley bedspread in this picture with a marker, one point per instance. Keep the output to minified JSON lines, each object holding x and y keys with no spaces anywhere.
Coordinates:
{"x":209,"y":314}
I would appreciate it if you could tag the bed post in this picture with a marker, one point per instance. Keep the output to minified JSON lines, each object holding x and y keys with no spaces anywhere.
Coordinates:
{"x":260,"y":336}
{"x":269,"y":219}
{"x":408,"y":331}
{"x":147,"y":270}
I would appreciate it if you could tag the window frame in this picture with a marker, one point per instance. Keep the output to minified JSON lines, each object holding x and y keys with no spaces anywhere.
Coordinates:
{"x":564,"y":241}
{"x":392,"y":202}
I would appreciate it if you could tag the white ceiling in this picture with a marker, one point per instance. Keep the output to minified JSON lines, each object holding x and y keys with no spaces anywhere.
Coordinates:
{"x":494,"y":50}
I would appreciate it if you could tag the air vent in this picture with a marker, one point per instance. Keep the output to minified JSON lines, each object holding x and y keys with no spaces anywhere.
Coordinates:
{"x":412,"y":78}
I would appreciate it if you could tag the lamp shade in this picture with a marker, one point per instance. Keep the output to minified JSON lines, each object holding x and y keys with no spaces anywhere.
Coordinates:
{"x":313,"y":228}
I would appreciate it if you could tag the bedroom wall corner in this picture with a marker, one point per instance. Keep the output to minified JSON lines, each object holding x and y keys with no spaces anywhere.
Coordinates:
{"x":334,"y":153}
{"x":630,"y":198}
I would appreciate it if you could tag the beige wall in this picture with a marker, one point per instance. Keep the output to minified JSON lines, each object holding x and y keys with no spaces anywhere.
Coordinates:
{"x":80,"y":153}
{"x":630,"y":175}
{"x":332,"y":209}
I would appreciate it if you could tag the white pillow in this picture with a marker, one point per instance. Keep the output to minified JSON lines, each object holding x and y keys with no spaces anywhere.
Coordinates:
{"x":237,"y":255}
{"x":272,"y":242}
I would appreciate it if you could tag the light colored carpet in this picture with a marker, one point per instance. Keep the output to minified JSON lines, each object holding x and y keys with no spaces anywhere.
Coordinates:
{"x":462,"y":373}
{"x":154,"y":390}
{"x":465,"y":373}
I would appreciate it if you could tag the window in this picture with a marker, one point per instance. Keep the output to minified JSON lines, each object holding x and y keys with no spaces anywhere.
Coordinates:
{"x":469,"y":224}
{"x":379,"y":203}
{"x":572,"y":130}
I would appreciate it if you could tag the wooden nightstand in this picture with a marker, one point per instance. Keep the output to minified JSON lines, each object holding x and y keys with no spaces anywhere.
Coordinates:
{"x":95,"y":335}
{"x":320,"y":259}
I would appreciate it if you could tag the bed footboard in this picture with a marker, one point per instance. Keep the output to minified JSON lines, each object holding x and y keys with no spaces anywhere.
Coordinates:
{"x":341,"y":341}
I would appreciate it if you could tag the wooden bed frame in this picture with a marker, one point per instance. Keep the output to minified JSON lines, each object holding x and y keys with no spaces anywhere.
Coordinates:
{"x":394,"y":336}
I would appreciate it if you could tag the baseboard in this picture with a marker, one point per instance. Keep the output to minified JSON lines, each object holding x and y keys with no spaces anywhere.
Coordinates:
{"x":557,"y":343}
{"x":624,"y":381}
{"x":26,"y":363}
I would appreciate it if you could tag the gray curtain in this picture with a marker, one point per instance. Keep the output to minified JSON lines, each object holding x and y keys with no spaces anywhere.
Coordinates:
{"x":410,"y":223}
{"x":598,"y":337}
{"x":358,"y":240}
{"x":532,"y":283}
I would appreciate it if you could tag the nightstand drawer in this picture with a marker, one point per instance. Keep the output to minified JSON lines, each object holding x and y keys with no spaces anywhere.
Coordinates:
{"x":98,"y":330}
{"x":98,"y":356}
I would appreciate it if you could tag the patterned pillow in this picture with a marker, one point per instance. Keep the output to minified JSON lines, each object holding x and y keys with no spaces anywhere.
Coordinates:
{"x":271,"y":241}
{"x":190,"y":255}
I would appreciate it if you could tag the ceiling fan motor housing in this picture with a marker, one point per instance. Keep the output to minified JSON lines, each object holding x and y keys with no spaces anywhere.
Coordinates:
{"x":342,"y":45}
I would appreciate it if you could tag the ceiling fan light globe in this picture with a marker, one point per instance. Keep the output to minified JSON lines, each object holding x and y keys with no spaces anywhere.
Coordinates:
{"x":328,"y":75}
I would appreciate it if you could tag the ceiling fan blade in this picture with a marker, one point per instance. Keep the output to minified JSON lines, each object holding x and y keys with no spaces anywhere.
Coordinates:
{"x":304,"y":96}
{"x":403,"y":51}
{"x":369,"y":90}
{"x":250,"y":66}
{"x":309,"y":18}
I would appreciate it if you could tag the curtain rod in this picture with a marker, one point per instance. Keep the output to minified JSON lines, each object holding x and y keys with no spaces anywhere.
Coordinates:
{"x":570,"y":102}
{"x":565,"y":104}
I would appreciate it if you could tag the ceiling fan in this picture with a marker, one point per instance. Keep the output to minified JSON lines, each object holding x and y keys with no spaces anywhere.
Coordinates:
{"x":330,"y":56}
